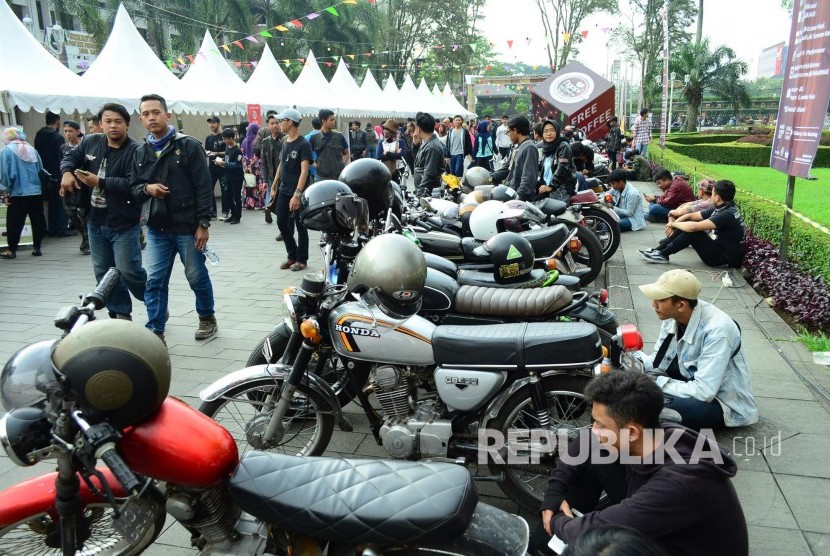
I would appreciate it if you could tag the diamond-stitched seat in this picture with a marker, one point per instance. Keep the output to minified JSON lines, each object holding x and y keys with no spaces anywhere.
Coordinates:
{"x":356,"y":501}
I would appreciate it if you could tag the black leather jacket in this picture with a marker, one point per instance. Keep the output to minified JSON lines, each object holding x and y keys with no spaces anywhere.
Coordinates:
{"x":429,"y":164}
{"x":122,"y":209}
{"x":182,"y":167}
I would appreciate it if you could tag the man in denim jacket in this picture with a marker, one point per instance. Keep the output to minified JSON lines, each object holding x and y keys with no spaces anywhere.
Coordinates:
{"x":699,"y":363}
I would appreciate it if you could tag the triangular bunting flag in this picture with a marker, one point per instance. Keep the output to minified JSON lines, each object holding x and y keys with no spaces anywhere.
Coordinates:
{"x":312,"y":16}
{"x":584,"y":34}
{"x":226,"y":47}
{"x":247,"y":64}
{"x":169,"y":64}
{"x":332,"y":11}
{"x":190,"y":57}
{"x":350,"y":56}
{"x":473,"y":47}
{"x":181,"y":60}
{"x":238,"y":64}
{"x":239,"y":44}
{"x":296,"y":23}
{"x":252,"y":39}
{"x":281,"y":28}
{"x":254,"y":64}
{"x":350,"y":1}
{"x":265,"y":34}
{"x":509,"y":44}
{"x":329,"y":64}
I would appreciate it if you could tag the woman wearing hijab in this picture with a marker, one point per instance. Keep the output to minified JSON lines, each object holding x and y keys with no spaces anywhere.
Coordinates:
{"x":556,"y":169}
{"x":484,"y":146}
{"x":254,"y":197}
{"x":20,"y":166}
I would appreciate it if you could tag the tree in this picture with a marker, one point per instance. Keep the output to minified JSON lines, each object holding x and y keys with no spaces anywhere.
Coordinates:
{"x":714,"y":70}
{"x":699,"y":35}
{"x":562,"y":18}
{"x":643,"y":36}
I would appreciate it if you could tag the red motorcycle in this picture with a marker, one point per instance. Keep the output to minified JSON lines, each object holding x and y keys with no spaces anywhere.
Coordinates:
{"x":100,"y":393}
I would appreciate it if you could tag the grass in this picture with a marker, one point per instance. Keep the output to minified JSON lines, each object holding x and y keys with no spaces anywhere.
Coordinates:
{"x":815,"y":342}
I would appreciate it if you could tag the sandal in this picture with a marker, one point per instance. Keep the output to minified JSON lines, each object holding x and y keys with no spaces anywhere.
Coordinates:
{"x":7,"y":254}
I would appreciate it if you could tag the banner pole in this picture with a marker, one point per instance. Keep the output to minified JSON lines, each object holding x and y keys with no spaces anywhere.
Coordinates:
{"x":785,"y":231}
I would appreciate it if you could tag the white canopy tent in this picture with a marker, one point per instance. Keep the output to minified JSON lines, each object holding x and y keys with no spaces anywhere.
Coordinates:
{"x":432,"y":104}
{"x":32,"y":79}
{"x":210,"y":85}
{"x":393,"y":98}
{"x":373,"y":95}
{"x":268,"y":85}
{"x":115,"y":72}
{"x":311,"y":90}
{"x":453,"y":103}
{"x":350,"y":100}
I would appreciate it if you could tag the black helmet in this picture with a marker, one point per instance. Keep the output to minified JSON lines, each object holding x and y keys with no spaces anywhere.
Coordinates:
{"x":503,"y":193}
{"x":115,"y":369}
{"x":330,"y":206}
{"x":512,"y":256}
{"x":369,"y":178}
{"x":391,"y":272}
{"x":398,"y":201}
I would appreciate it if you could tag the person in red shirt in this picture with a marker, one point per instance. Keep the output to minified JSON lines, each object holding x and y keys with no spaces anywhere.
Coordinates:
{"x":676,"y":191}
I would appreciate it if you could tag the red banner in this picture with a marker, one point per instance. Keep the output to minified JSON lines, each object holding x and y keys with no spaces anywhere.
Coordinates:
{"x":806,"y":90}
{"x":254,"y":114}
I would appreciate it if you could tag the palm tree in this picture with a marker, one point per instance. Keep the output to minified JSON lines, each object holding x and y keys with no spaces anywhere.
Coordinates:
{"x":707,"y":70}
{"x":732,"y":90}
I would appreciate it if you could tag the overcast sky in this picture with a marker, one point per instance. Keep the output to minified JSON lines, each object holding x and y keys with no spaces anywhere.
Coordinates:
{"x":748,"y":26}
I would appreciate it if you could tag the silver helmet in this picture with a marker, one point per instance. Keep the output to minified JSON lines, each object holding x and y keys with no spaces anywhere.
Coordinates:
{"x":390,"y":271}
{"x":477,"y":175}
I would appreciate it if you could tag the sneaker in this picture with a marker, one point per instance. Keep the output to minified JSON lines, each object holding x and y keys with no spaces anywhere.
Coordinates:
{"x":647,"y":251}
{"x":160,"y":336}
{"x":268,"y":218}
{"x":233,"y":221}
{"x":279,"y":237}
{"x":296,"y":267}
{"x":225,"y":217}
{"x":207,"y":328}
{"x":287,"y":264}
{"x":656,"y":257}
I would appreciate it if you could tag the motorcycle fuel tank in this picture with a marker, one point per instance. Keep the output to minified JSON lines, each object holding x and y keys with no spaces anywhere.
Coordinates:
{"x":179,"y":445}
{"x":442,"y":244}
{"x":366,"y":333}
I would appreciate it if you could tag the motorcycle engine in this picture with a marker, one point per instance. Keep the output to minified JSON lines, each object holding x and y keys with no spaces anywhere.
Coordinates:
{"x":424,"y":431}
{"x":392,"y":388}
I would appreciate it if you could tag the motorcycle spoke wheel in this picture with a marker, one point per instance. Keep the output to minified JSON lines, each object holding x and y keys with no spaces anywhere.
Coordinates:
{"x":606,"y":230}
{"x":39,"y":535}
{"x":590,"y":256}
{"x":308,"y":423}
{"x":526,"y":483}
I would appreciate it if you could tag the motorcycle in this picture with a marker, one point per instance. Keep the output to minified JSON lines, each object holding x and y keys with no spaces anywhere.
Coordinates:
{"x":433,"y":387}
{"x":161,"y":456}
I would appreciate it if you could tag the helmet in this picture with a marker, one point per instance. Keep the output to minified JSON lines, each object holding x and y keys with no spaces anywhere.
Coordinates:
{"x":398,"y":201}
{"x":512,"y":256}
{"x":28,"y":375}
{"x":369,"y":178}
{"x":391,"y":272}
{"x":475,"y":176}
{"x":484,"y":220}
{"x":115,"y":369}
{"x":330,"y":206}
{"x":504,"y":193}
{"x":450,"y":216}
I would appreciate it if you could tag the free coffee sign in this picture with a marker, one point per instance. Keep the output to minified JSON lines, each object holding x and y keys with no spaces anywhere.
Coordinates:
{"x":806,"y":89}
{"x":575,"y":96}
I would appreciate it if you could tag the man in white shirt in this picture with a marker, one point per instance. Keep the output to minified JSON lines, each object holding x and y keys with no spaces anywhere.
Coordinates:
{"x":503,"y":142}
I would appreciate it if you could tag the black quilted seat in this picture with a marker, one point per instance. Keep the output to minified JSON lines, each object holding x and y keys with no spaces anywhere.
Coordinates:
{"x":356,"y":501}
{"x":499,"y":347}
{"x":484,"y":278}
{"x":534,"y":302}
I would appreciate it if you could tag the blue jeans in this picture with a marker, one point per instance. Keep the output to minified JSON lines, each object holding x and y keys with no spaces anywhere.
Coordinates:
{"x":123,"y":251}
{"x":216,"y":174}
{"x":162,"y":248}
{"x":625,"y":224}
{"x":286,"y":220}
{"x":656,"y":210}
{"x":697,"y":414}
{"x":57,"y":220}
{"x":457,"y":165}
{"x":643,"y":148}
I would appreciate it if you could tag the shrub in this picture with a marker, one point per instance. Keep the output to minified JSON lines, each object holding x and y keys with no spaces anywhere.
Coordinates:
{"x":806,"y":298}
{"x":756,"y":139}
{"x":745,"y":154}
{"x":697,"y":138}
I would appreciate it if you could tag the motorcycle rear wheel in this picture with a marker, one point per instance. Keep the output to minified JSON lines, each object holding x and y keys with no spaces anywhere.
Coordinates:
{"x":590,"y":255}
{"x":527,"y":483}
{"x":309,"y":422}
{"x":606,"y":229}
{"x":38,"y":534}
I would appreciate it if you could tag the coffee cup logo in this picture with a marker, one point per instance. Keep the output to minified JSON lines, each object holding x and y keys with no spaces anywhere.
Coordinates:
{"x":572,"y":87}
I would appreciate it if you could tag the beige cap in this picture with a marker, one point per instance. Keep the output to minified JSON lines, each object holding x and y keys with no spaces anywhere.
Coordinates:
{"x":681,"y":283}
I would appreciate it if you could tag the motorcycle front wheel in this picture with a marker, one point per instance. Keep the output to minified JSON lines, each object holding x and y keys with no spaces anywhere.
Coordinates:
{"x":606,"y":229}
{"x":308,"y":424}
{"x":40,"y":534}
{"x":590,"y":255}
{"x":526,"y":483}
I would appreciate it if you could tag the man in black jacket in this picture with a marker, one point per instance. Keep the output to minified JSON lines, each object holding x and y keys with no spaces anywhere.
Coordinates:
{"x":523,"y":174}
{"x":666,"y":481}
{"x":102,"y":165}
{"x":429,"y":162}
{"x":171,"y":168}
{"x":48,"y":141}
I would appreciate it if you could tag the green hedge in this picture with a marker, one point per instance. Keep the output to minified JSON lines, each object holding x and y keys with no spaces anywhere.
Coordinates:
{"x":808,"y":248}
{"x":744,"y":154}
{"x":696,"y":138}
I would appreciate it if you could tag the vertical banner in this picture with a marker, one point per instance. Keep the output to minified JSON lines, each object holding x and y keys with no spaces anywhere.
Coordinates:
{"x":665,"y":108}
{"x":806,"y":90}
{"x":255,"y":114}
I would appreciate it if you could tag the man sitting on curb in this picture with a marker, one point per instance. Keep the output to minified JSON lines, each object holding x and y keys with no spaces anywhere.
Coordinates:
{"x":699,"y":362}
{"x":638,"y":167}
{"x":716,"y":234}
{"x":627,"y":202}
{"x":665,"y":481}
{"x":703,"y":201}
{"x":676,"y":191}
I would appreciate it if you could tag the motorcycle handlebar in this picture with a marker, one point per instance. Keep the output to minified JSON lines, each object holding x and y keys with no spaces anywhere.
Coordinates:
{"x":103,"y":290}
{"x":121,"y":470}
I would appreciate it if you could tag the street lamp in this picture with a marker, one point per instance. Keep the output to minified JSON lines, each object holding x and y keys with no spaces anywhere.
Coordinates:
{"x":672,"y":76}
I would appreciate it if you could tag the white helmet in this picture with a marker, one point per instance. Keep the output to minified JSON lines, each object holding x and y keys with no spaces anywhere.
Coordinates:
{"x":477,"y":175}
{"x":484,"y":219}
{"x":440,"y":205}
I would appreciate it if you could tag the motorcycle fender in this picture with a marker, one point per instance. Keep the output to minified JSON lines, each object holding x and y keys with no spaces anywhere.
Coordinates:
{"x":610,"y":213}
{"x":37,"y":496}
{"x":490,"y":531}
{"x":272,"y":372}
{"x":569,"y":216}
{"x":495,"y":405}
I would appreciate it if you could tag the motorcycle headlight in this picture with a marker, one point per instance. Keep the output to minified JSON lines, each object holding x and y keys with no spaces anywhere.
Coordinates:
{"x":24,"y":431}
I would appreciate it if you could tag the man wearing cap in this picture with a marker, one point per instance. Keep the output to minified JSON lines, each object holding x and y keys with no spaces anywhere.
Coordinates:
{"x":698,"y":361}
{"x":391,"y":149}
{"x":716,"y":234}
{"x":290,"y":181}
{"x":76,"y":202}
{"x":215,"y":148}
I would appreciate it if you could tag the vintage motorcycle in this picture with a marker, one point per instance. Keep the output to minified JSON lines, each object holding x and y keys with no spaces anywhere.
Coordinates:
{"x":432,"y":388}
{"x":100,"y":393}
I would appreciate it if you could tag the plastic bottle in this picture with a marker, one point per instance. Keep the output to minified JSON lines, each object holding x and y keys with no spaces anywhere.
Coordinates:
{"x":211,"y":255}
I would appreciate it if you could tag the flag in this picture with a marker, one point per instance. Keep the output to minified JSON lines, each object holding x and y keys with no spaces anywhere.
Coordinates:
{"x":332,"y":11}
{"x":265,"y":34}
{"x":252,"y":39}
{"x":239,"y":44}
{"x":584,"y":34}
{"x":281,"y":28}
{"x":190,"y":57}
{"x":226,"y":47}
{"x":296,"y":23}
{"x":312,"y":16}
{"x":509,"y":44}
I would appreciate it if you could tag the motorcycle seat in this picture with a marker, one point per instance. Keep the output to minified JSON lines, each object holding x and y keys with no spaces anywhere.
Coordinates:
{"x":552,"y":207}
{"x":584,"y":197}
{"x":546,"y":240}
{"x":442,"y":265}
{"x":356,"y":501}
{"x":517,"y":346}
{"x":485,"y":279}
{"x":536,"y":302}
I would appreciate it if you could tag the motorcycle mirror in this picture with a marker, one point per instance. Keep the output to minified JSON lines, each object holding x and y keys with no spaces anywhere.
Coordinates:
{"x":425,"y":204}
